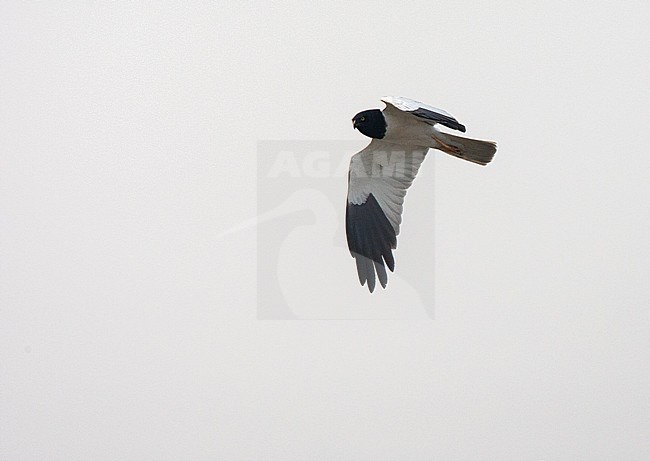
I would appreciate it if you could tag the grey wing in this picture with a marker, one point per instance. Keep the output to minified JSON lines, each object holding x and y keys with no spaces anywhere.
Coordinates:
{"x":378,"y":179}
{"x":424,"y":111}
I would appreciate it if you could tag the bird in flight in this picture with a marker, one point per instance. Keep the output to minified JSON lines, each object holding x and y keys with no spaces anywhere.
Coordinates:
{"x":381,"y":173}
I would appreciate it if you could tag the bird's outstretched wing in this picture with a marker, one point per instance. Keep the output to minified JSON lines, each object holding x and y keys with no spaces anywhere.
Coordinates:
{"x":423,"y":111}
{"x":377,"y":182}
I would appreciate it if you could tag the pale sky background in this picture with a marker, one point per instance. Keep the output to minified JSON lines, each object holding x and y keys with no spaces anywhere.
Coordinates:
{"x":129,"y":329}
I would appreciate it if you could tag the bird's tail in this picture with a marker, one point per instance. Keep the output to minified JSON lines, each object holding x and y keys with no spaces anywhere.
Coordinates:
{"x":472,"y":150}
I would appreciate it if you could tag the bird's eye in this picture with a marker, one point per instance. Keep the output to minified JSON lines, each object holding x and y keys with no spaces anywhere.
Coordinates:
{"x":363,"y":119}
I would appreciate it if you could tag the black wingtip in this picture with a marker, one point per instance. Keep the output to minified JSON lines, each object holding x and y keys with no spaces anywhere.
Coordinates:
{"x":390,"y":261}
{"x":371,"y":237}
{"x":448,"y":121}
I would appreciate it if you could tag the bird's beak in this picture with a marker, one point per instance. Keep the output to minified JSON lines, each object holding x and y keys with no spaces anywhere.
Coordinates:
{"x":354,"y":124}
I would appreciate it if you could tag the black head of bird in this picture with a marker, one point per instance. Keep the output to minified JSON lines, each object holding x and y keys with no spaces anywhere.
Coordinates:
{"x":371,"y":123}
